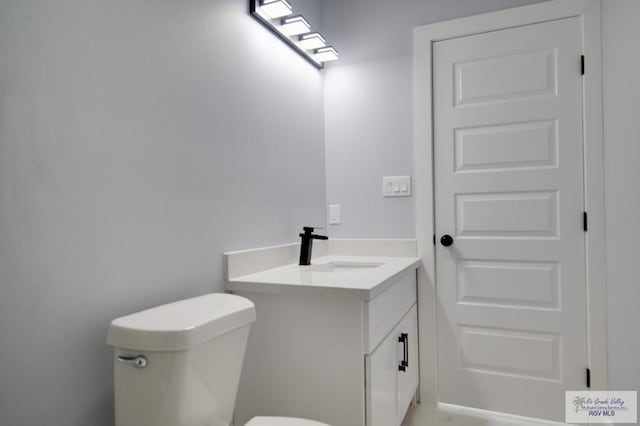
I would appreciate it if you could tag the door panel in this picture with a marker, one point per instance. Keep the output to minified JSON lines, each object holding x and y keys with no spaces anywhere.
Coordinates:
{"x":510,"y":352}
{"x":512,"y":75}
{"x":508,"y":165}
{"x":507,"y":214}
{"x":505,"y":283}
{"x":506,"y":146}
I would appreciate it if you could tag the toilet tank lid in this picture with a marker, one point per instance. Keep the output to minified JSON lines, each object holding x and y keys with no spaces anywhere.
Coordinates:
{"x":181,"y":325}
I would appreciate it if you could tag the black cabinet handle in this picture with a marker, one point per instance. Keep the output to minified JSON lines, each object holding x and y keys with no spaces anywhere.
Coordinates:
{"x":404,"y":339}
{"x":406,"y":362}
{"x":446,"y":240}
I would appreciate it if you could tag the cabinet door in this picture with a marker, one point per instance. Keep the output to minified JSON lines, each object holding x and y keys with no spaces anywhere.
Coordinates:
{"x":390,"y":389}
{"x":382,"y":383}
{"x":408,"y":379}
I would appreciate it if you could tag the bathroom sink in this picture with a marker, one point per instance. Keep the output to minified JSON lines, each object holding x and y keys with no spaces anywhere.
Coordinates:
{"x":341,"y":267}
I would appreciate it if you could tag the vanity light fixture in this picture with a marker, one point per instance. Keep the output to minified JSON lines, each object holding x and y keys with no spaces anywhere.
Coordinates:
{"x":326,"y":54}
{"x":278,"y":16}
{"x":312,"y":41}
{"x":295,"y":25}
{"x":276,"y":8}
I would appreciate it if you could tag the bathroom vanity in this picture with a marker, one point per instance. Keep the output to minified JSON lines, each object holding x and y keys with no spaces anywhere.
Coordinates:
{"x":335,"y":341}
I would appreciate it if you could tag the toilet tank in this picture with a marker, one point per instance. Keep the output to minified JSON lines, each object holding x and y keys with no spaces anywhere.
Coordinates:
{"x":180,"y":363}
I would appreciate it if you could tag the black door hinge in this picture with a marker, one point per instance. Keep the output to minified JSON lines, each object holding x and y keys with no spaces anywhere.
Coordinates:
{"x":582,"y":64}
{"x":588,"y":377}
{"x":434,"y":239}
{"x":584,"y":222}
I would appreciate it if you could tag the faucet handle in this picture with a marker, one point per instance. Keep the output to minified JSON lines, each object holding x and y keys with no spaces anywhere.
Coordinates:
{"x":311,"y":228}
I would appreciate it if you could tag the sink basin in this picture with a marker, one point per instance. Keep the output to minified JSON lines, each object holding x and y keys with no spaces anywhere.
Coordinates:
{"x":341,"y":267}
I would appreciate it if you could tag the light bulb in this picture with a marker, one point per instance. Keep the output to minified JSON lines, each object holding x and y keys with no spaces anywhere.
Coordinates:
{"x":276,"y":8}
{"x":295,"y":25}
{"x":326,"y":54}
{"x":312,"y":41}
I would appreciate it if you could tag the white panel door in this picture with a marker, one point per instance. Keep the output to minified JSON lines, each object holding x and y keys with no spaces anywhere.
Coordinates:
{"x":508,"y":157}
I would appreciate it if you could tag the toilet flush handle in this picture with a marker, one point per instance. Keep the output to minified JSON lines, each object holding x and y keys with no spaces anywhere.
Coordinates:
{"x":139,"y":361}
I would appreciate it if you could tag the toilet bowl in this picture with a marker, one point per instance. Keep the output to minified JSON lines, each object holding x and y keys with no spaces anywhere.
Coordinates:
{"x":179,"y":364}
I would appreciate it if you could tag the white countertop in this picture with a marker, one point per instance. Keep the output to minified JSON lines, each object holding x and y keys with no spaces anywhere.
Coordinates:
{"x":357,"y":283}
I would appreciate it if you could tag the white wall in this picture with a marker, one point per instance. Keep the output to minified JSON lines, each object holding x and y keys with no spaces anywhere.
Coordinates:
{"x":139,"y":140}
{"x":369,"y":106}
{"x":621,"y":34}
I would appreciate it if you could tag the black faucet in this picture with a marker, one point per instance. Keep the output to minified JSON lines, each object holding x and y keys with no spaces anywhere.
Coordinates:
{"x":307,"y":244}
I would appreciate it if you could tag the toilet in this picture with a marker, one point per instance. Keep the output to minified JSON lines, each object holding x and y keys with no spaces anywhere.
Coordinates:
{"x":179,"y":364}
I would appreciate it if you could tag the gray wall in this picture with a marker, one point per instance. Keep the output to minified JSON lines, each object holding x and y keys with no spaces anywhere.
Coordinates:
{"x":312,"y":11}
{"x":369,"y":106}
{"x":369,"y":133}
{"x":139,"y":140}
{"x":622,"y":197}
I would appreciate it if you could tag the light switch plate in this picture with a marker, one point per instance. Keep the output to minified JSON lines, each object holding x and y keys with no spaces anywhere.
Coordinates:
{"x":396,"y":186}
{"x":334,"y":214}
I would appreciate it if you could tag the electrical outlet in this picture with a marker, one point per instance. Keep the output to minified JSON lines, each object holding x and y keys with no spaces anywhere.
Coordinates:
{"x":334,"y":214}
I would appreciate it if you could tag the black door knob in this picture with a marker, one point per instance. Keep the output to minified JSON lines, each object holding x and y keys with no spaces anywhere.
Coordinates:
{"x":446,"y":240}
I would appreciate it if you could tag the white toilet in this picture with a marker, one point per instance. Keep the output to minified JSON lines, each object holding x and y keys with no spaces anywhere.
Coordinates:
{"x":179,"y":364}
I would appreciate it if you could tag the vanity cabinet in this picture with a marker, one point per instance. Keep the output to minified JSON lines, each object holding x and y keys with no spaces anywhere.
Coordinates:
{"x":339,"y":358}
